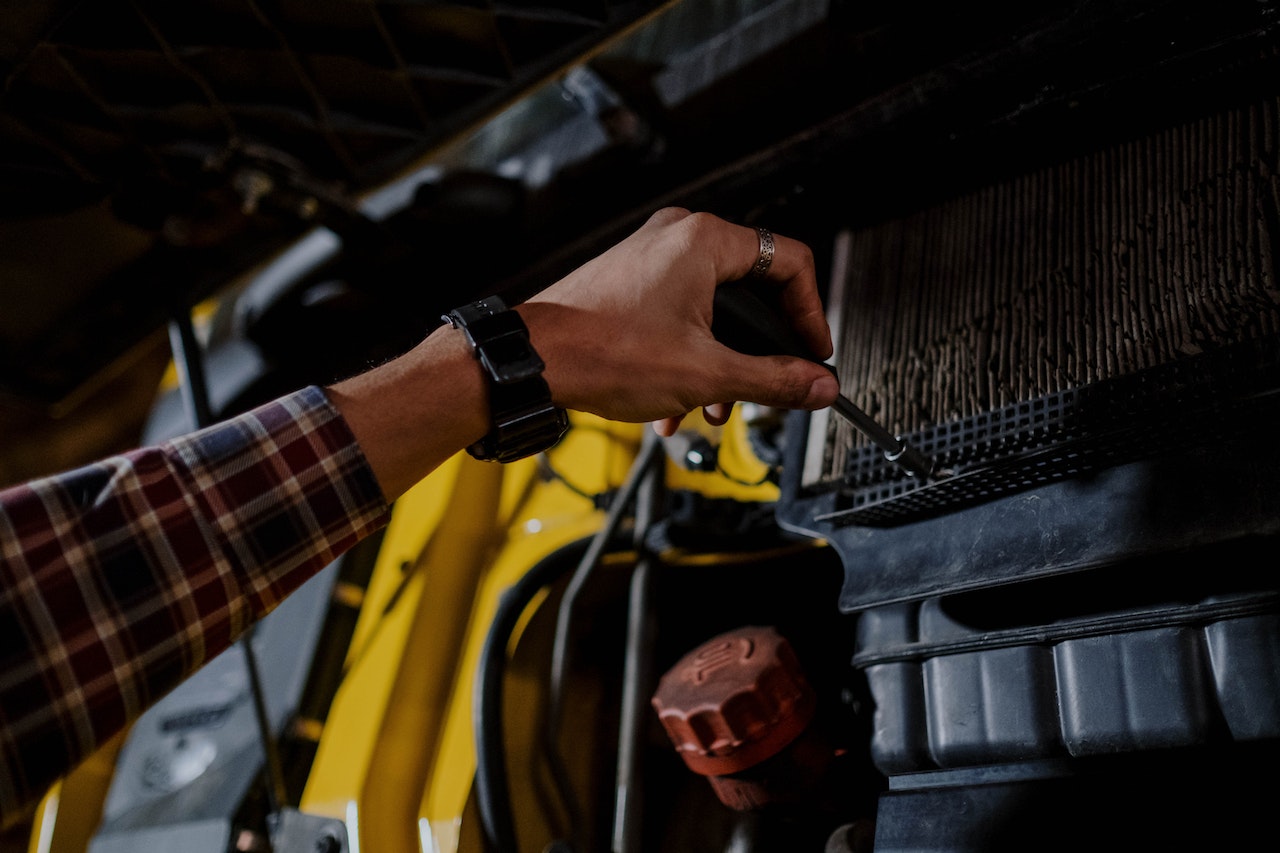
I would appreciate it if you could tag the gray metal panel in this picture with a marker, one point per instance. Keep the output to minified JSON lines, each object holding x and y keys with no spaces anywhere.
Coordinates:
{"x":195,"y":753}
{"x":206,"y":836}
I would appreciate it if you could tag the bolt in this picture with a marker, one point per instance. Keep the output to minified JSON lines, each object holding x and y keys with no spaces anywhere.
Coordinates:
{"x":328,"y":844}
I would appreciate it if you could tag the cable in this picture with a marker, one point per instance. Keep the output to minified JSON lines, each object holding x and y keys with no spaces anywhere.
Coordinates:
{"x":491,"y":784}
{"x":550,"y":472}
{"x":649,"y":453}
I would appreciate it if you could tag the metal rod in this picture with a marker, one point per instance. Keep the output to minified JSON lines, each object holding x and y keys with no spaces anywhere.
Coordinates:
{"x":637,"y":677}
{"x":564,"y":619}
{"x":895,"y":448}
{"x":276,"y":796}
{"x":189,"y":364}
{"x":637,"y":669}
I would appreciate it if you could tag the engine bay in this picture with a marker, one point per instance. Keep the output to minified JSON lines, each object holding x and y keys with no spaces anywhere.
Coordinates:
{"x":1048,"y":238}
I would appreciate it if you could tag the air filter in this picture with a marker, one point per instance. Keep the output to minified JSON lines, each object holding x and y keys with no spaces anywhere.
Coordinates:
{"x":1120,"y":305}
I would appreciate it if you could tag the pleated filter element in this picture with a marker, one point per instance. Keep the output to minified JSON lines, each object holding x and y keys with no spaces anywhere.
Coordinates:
{"x":1072,"y":304}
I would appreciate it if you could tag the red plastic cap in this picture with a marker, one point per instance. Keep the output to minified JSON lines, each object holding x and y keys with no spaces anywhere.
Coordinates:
{"x":735,"y":701}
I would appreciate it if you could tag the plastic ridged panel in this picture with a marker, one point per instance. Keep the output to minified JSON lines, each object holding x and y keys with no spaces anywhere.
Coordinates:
{"x":950,"y":696}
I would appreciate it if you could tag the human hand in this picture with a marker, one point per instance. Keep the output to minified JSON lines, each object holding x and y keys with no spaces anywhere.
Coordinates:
{"x":628,"y":336}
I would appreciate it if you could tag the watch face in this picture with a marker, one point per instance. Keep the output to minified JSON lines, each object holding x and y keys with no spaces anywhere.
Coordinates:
{"x":510,"y":358}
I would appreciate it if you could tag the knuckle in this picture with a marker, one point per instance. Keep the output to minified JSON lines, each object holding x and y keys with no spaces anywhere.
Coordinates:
{"x":805,"y":254}
{"x":699,"y":223}
{"x":668,"y":215}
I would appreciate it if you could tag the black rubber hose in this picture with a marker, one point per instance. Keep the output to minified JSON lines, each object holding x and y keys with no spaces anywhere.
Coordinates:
{"x":492,"y":793}
{"x":650,"y":453}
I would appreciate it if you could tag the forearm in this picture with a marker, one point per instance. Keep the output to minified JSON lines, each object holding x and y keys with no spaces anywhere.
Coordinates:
{"x":411,"y":414}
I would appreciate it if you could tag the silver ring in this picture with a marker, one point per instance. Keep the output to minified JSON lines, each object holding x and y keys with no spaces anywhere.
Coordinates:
{"x":765,"y":258}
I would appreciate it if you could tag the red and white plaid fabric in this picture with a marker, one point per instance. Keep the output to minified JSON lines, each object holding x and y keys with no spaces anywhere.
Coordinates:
{"x":120,"y":579}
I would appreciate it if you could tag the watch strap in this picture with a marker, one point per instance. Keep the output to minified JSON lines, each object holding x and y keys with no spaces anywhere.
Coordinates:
{"x":523,"y":419}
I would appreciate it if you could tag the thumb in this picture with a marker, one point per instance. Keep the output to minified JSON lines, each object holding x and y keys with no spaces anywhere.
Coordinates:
{"x":780,"y":381}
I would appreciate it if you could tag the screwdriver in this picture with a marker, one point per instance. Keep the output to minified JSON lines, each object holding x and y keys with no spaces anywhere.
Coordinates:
{"x":746,"y":318}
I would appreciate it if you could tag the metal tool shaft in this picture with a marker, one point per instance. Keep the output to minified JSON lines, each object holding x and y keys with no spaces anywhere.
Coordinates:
{"x":747,"y":318}
{"x":895,"y":448}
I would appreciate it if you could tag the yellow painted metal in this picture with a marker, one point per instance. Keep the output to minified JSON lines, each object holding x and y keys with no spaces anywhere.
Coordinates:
{"x":395,"y":756}
{"x":740,"y":474}
{"x":383,"y":726}
{"x":68,"y":815}
{"x":342,"y":758}
{"x":550,"y":519}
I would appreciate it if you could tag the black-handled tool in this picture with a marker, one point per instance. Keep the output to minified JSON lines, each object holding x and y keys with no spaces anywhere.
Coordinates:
{"x":747,"y":318}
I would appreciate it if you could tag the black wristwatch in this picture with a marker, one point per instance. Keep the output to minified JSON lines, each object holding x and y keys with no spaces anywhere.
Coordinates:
{"x":524,"y":419}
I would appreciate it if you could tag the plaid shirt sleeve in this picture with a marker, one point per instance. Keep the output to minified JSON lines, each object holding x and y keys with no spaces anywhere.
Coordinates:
{"x":121,"y":578}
